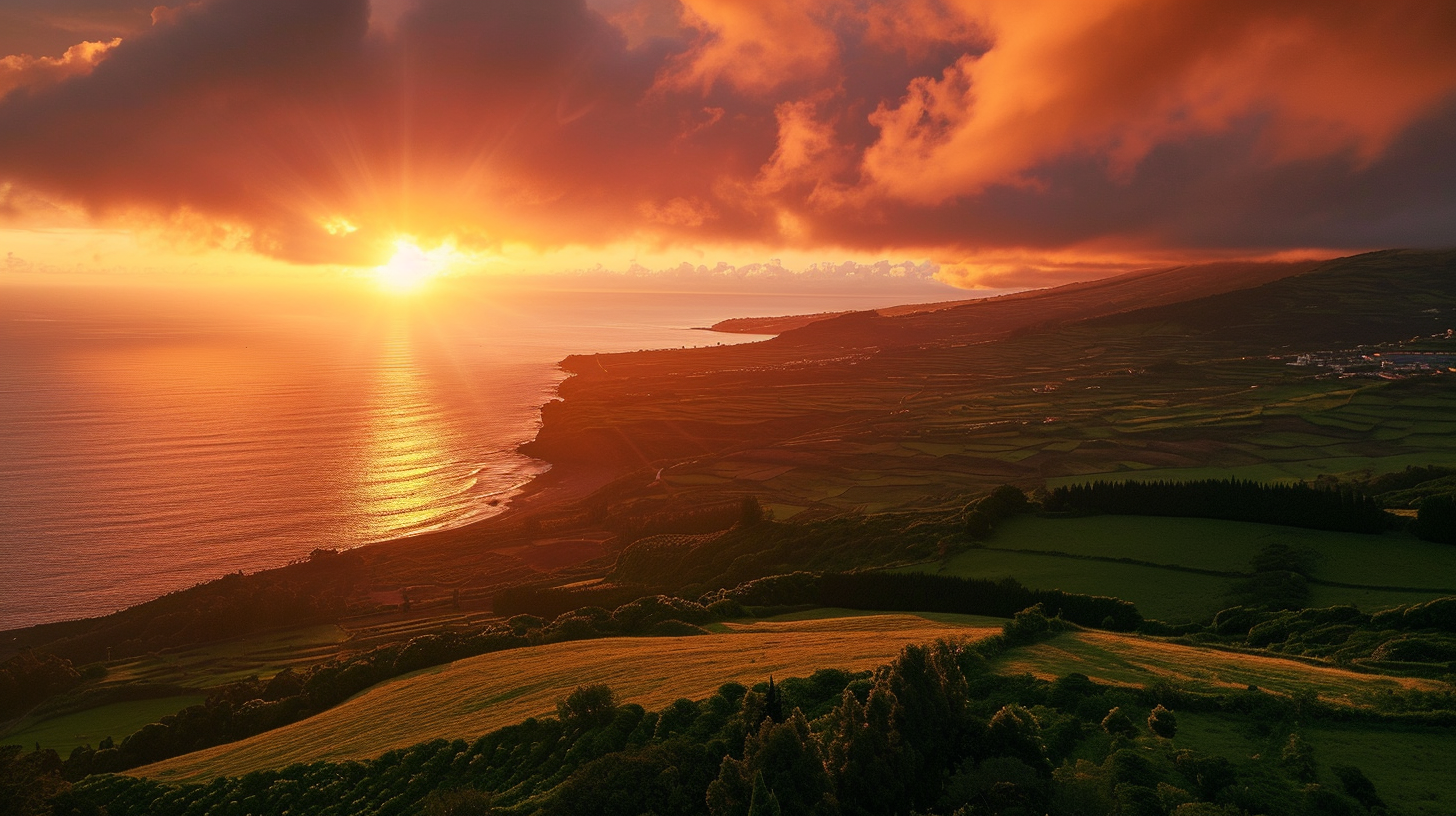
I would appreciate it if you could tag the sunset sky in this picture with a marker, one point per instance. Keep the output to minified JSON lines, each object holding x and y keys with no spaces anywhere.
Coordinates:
{"x":1012,"y":143}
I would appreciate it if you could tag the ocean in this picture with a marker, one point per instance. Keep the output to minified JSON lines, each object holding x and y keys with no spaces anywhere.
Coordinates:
{"x":152,"y":438}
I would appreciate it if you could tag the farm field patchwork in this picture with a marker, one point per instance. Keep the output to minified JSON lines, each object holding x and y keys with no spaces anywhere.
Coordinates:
{"x":1162,"y":594}
{"x":1392,"y":559}
{"x":1411,"y":569}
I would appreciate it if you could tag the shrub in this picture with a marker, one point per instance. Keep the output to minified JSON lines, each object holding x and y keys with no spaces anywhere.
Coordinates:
{"x":1436,"y":519}
{"x":1162,"y":723}
{"x":1119,"y":724}
{"x":588,"y":706}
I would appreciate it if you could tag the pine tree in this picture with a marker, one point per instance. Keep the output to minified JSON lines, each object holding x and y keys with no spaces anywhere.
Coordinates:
{"x":763,"y":802}
{"x":865,"y":755}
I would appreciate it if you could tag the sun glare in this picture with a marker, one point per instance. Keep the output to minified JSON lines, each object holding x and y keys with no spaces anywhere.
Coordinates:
{"x":412,"y":267}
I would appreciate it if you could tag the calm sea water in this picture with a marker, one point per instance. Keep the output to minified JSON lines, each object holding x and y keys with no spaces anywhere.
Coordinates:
{"x":151,"y":439}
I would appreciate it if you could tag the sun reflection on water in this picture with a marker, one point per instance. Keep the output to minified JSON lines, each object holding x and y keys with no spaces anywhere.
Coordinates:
{"x":407,"y":474}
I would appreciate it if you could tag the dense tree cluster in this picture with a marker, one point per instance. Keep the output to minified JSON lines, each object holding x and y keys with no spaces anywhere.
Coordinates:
{"x":934,"y":732}
{"x":1436,"y":519}
{"x":30,"y":677}
{"x":1414,"y":633}
{"x":983,"y":515}
{"x":1293,"y":505}
{"x":923,"y":592}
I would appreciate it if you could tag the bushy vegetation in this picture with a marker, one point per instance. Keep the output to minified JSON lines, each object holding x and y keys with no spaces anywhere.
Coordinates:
{"x":242,"y":709}
{"x":983,"y":515}
{"x":1414,"y":633}
{"x":921,"y":592}
{"x":28,"y":678}
{"x":934,"y":732}
{"x":1293,"y":505}
{"x":1436,"y":519}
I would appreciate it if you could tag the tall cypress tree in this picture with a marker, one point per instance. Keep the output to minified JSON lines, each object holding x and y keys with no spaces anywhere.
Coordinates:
{"x":773,"y":703}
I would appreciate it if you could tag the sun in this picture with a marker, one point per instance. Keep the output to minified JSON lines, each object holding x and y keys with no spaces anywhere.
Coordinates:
{"x":412,"y":267}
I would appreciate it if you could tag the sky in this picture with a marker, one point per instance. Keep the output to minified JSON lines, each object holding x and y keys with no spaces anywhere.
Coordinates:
{"x":1006,"y":142}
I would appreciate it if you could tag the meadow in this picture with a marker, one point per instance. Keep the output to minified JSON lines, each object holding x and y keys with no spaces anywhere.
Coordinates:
{"x":139,"y":690}
{"x":1129,"y":660}
{"x":91,"y":726}
{"x":1092,"y":554}
{"x":470,"y":697}
{"x":1410,"y":766}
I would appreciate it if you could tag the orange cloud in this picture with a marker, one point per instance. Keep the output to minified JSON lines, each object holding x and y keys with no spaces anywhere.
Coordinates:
{"x":26,"y":71}
{"x":1118,"y":78}
{"x":1132,"y":130}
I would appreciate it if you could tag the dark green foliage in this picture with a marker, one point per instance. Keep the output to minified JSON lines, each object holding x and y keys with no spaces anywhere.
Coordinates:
{"x":246,"y":708}
{"x":750,"y":512}
{"x":688,"y":521}
{"x":1280,"y":557}
{"x":1015,"y":732}
{"x":549,"y":602}
{"x":661,"y":778}
{"x":1031,"y":625}
{"x":773,"y":703}
{"x":866,"y":755}
{"x":763,"y":802}
{"x":931,"y":732}
{"x":1163,"y":723}
{"x":30,"y":677}
{"x":1415,"y":633}
{"x":1296,"y":505}
{"x":1280,"y":577}
{"x":917,"y":591}
{"x":1118,"y":724}
{"x":1358,"y":786}
{"x":1297,"y":757}
{"x":456,"y":802}
{"x":1406,"y":479}
{"x":1436,"y":519}
{"x":789,"y":759}
{"x":28,"y":781}
{"x":587,"y":707}
{"x":1002,"y":503}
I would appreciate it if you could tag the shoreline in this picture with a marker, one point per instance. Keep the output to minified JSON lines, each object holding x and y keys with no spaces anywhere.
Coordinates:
{"x":564,"y":481}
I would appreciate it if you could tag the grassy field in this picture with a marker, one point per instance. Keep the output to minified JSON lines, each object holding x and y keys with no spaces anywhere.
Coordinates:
{"x":90,"y":727}
{"x":1393,"y":560}
{"x":471,"y":697}
{"x":1159,"y":593}
{"x":1134,"y":661}
{"x":65,"y":725}
{"x":1411,"y":767}
{"x":212,"y":665}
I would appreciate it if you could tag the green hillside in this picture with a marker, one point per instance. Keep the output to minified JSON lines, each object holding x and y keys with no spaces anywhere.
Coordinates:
{"x":1182,"y":569}
{"x":467,"y":698}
